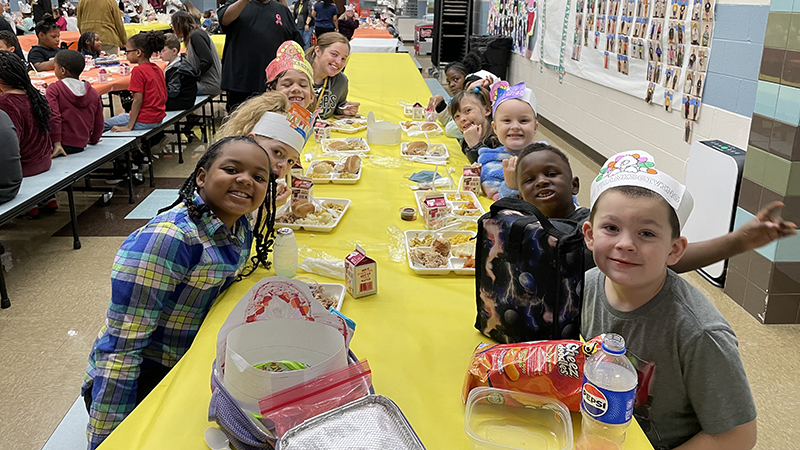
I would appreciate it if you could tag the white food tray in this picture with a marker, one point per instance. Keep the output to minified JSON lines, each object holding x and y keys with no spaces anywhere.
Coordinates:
{"x":438,"y":157}
{"x":316,"y":228}
{"x":326,"y":142}
{"x":413,"y":129}
{"x":454,"y":264}
{"x":342,"y":126}
{"x":334,"y":290}
{"x":454,"y":204}
{"x":333,"y":176}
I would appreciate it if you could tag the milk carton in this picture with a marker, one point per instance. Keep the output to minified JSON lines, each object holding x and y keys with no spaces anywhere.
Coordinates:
{"x":360,"y":274}
{"x":471,"y":179}
{"x":301,"y":188}
{"x":434,"y":210}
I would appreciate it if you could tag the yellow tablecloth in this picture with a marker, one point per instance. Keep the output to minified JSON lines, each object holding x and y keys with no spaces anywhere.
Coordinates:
{"x":136,"y":28}
{"x":417,"y":332}
{"x":219,"y":42}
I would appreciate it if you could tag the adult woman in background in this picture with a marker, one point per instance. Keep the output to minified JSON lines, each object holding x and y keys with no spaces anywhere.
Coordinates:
{"x":328,"y":58}
{"x":200,"y":52}
{"x":326,"y":16}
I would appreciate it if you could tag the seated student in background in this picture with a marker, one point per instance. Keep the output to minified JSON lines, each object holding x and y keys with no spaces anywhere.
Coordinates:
{"x":472,"y":113}
{"x":9,"y":42}
{"x":459,"y":76}
{"x":49,"y":35}
{"x":28,"y":24}
{"x":181,"y":76}
{"x":545,"y":180}
{"x":77,"y":113}
{"x":147,"y":84}
{"x":30,"y":115}
{"x":694,"y":387}
{"x":61,"y":21}
{"x":72,"y":21}
{"x":89,"y":44}
{"x":10,"y":166}
{"x":514,"y":122}
{"x":207,"y":21}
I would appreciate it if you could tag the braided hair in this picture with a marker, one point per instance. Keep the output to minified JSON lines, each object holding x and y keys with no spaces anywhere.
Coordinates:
{"x":14,"y":74}
{"x":264,"y":229}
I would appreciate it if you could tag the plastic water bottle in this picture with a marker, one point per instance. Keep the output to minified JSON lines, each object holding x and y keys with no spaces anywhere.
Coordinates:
{"x":609,"y":391}
{"x":285,"y":256}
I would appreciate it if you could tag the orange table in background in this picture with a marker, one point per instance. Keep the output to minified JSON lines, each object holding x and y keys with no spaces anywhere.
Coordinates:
{"x":371,"y":34}
{"x":116,"y":81}
{"x":70,"y":37}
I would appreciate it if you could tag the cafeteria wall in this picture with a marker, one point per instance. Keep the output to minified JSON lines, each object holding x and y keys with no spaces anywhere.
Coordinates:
{"x":608,"y":121}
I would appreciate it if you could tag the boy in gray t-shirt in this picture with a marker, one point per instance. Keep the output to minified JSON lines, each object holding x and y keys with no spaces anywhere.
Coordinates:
{"x":693,"y":392}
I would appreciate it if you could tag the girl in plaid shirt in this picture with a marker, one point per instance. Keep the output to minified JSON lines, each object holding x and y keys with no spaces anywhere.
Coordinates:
{"x":168,"y":273}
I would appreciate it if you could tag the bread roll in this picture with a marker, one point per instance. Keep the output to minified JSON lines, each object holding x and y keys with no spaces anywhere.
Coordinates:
{"x":337,"y":145}
{"x":417,"y":148}
{"x":323,"y":167}
{"x":302,"y":208}
{"x":352,"y":164}
{"x":428,"y":126}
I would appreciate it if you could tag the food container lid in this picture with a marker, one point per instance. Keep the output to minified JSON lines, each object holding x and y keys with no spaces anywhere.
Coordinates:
{"x":501,"y":419}
{"x":373,"y":421}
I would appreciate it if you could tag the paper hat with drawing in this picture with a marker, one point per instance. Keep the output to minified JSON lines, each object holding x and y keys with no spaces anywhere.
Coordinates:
{"x":292,"y":128}
{"x":637,"y":168}
{"x":501,"y":91}
{"x":289,"y":56}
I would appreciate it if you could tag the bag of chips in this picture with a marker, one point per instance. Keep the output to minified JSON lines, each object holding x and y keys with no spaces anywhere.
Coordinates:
{"x":548,"y":368}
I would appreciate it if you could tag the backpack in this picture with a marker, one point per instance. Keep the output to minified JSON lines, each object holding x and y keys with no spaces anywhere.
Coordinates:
{"x":529,"y":274}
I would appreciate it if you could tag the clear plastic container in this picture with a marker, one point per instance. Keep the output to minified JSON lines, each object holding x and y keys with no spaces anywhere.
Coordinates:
{"x":499,"y":419}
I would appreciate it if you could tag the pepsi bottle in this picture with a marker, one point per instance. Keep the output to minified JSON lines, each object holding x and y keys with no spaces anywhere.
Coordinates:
{"x":609,"y":390}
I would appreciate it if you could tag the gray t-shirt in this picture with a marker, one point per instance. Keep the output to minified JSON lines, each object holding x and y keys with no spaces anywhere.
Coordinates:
{"x":334,"y":96}
{"x":690,"y":375}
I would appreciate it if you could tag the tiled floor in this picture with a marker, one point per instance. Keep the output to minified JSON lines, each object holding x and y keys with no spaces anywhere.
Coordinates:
{"x":60,"y":295}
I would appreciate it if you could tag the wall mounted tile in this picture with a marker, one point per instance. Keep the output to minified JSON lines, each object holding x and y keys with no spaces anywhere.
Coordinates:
{"x":788,"y":107}
{"x":786,"y":278}
{"x":760,"y":271}
{"x":778,"y":25}
{"x":735,"y":285}
{"x":796,"y":7}
{"x":781,"y":5}
{"x":755,"y":162}
{"x":791,"y":211}
{"x":754,"y":301}
{"x":788,"y":249}
{"x":767,"y":197}
{"x":794,"y":179}
{"x":741,"y":218}
{"x":776,"y":174}
{"x":732,"y":22}
{"x":791,"y":69}
{"x":781,"y":309}
{"x":766,"y":98}
{"x":740,"y":263}
{"x":772,"y":64}
{"x":717,"y":58}
{"x":760,"y":134}
{"x":741,"y":59}
{"x":782,"y":139}
{"x":749,"y":198}
{"x":793,"y":42}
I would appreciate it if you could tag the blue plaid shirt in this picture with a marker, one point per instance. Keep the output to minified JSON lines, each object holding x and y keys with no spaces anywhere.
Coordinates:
{"x":165,"y":278}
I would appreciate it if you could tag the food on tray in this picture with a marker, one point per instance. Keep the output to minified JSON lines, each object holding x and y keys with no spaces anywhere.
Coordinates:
{"x":338,"y":207}
{"x":349,"y":124}
{"x":428,"y":258}
{"x":553,"y":369}
{"x":441,"y":246}
{"x":345,"y":175}
{"x":352,"y":164}
{"x":428,"y":126}
{"x":467,"y":212}
{"x":302,"y":208}
{"x":280,"y":366}
{"x":416,"y":148}
{"x":458,"y":197}
{"x":457,"y":239}
{"x":424,"y":241}
{"x":349,"y":144}
{"x":465,"y":250}
{"x":324,"y":167}
{"x":469,"y":263}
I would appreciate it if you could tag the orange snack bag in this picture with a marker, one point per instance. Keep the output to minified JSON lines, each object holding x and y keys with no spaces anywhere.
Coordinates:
{"x":548,"y":368}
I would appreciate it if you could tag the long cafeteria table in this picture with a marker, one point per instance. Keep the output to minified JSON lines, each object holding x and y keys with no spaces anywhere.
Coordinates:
{"x":417,"y":332}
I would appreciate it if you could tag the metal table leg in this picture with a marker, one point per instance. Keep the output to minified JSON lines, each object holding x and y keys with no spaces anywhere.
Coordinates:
{"x":76,"y":243}
{"x":5,"y":302}
{"x":131,"y":197}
